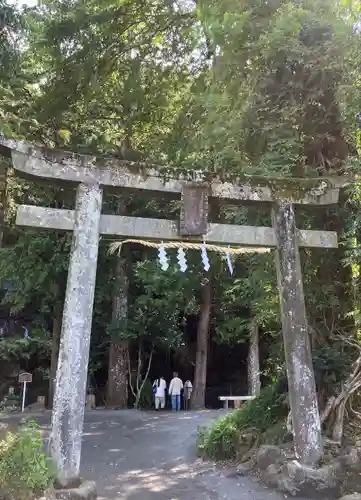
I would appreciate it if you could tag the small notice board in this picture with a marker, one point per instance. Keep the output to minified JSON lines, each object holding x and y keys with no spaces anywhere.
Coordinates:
{"x":25,"y":378}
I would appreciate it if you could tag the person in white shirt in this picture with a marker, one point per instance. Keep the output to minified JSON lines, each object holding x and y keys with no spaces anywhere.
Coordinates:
{"x":175,"y":388}
{"x":159,"y":387}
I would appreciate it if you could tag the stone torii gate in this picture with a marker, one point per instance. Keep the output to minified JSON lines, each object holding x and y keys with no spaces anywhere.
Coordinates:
{"x":92,"y":176}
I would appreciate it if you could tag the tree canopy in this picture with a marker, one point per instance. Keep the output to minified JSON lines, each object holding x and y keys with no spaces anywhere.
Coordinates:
{"x":233,"y":88}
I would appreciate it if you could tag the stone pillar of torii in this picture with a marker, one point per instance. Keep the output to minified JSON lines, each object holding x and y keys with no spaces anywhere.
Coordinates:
{"x":87,"y":223}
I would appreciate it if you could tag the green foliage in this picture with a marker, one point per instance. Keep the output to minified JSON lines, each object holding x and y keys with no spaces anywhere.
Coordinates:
{"x":272,"y":92}
{"x":253,"y":288}
{"x":15,"y":75}
{"x":111,"y":71}
{"x":156,"y":309}
{"x":10,"y":403}
{"x":331,"y":364}
{"x":10,"y":24}
{"x":277,"y":434}
{"x":154,"y":315}
{"x":12,"y":349}
{"x":221,"y":440}
{"x":146,"y":397}
{"x":25,"y":471}
{"x":32,"y":280}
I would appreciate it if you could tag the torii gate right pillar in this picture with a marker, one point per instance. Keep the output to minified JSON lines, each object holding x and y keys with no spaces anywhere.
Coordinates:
{"x":306,"y":423}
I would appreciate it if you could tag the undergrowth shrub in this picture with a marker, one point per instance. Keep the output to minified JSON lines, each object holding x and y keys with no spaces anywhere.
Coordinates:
{"x":221,"y":439}
{"x":25,"y":470}
{"x":146,"y":397}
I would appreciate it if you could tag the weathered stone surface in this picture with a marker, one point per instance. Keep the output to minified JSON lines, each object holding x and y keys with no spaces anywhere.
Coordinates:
{"x":71,"y":167}
{"x":162,"y":229}
{"x":272,"y":477}
{"x":278,"y":469}
{"x":269,"y":455}
{"x":4,"y":430}
{"x":194,"y":211}
{"x":296,"y":479}
{"x":244,"y":468}
{"x":39,"y":405}
{"x":90,"y":401}
{"x":350,"y":459}
{"x":70,"y":392}
{"x":306,"y":423}
{"x":315,"y":482}
{"x":86,"y":491}
{"x":63,"y":483}
{"x":350,"y":462}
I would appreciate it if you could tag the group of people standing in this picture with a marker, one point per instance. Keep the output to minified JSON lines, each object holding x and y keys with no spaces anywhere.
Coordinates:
{"x":176,"y":387}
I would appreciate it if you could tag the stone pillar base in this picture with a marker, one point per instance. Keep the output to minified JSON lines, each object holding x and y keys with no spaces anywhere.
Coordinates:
{"x":90,"y":401}
{"x":40,"y":400}
{"x":86,"y":491}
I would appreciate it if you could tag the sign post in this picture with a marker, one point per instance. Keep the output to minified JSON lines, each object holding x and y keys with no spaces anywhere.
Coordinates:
{"x":24,"y":378}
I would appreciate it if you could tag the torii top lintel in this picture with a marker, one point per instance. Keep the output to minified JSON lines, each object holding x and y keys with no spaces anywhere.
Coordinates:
{"x":57,"y":165}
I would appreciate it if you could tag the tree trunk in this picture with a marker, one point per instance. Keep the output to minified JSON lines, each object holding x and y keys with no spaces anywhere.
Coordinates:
{"x":254,"y":374}
{"x":200,"y":375}
{"x":55,"y":342}
{"x":3,"y":198}
{"x":117,"y":394}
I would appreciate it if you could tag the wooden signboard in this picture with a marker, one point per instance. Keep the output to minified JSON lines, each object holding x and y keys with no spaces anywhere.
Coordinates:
{"x":25,"y":377}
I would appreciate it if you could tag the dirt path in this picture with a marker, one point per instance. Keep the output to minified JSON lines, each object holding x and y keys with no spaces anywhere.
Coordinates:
{"x":151,"y":456}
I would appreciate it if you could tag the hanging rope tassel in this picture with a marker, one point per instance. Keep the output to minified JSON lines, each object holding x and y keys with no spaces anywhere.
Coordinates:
{"x":117,"y":245}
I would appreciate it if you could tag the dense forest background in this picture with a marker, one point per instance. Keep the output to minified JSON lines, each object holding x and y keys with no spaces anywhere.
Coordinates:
{"x":251,"y":87}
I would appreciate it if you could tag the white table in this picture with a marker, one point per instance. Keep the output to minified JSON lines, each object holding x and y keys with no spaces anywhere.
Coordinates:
{"x":226,"y":399}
